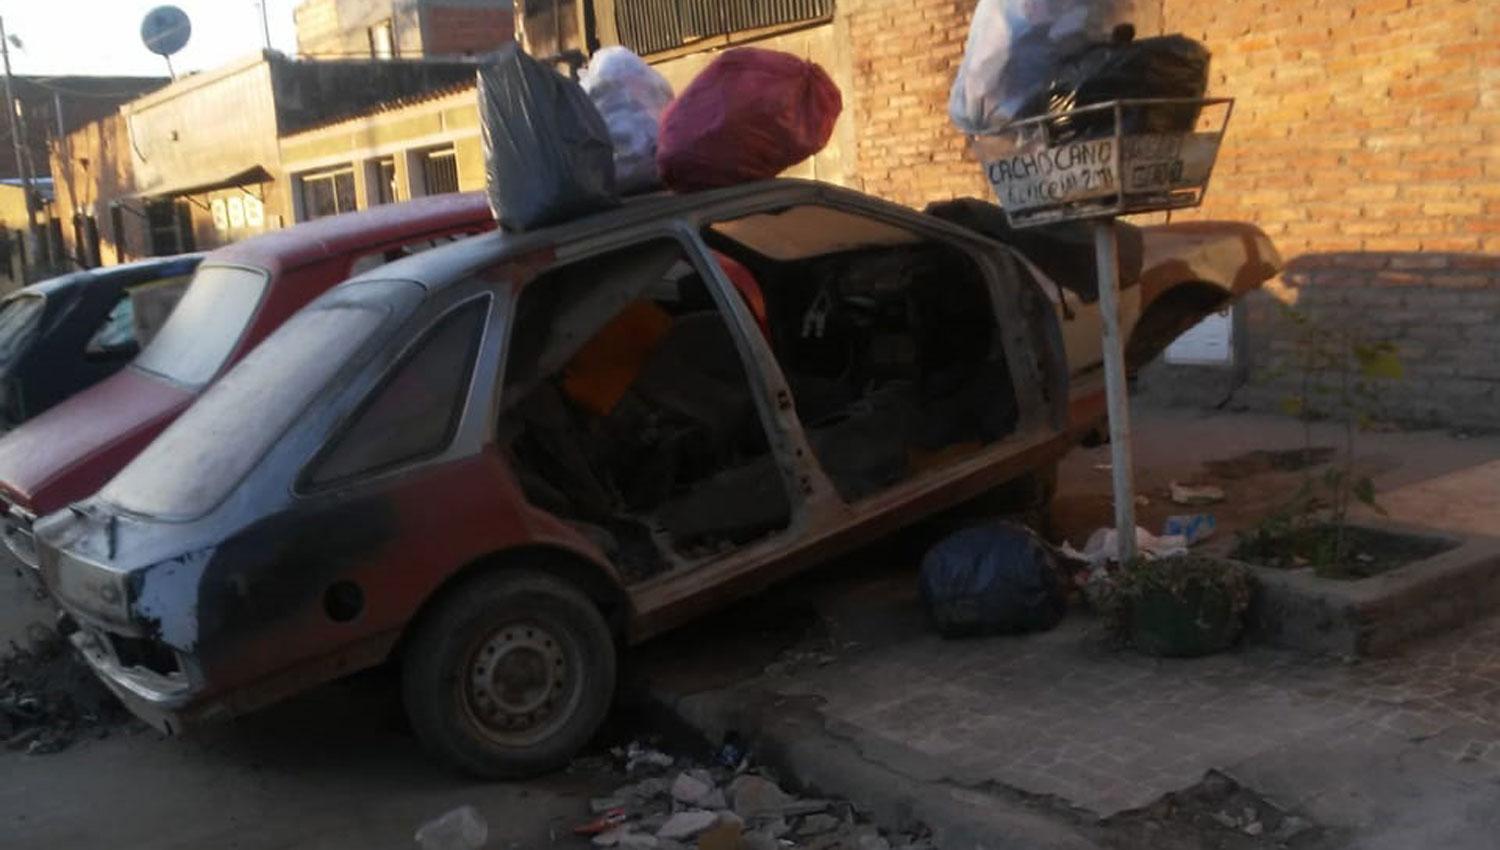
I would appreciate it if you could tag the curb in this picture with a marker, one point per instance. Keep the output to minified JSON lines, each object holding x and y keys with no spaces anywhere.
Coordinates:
{"x":789,"y":736}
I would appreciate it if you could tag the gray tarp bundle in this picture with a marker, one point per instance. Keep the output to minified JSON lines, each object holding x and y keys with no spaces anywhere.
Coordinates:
{"x":548,"y":156}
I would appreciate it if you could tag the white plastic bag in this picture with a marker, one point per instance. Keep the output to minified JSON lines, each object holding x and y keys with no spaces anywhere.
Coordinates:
{"x":1013,"y":47}
{"x":631,"y":96}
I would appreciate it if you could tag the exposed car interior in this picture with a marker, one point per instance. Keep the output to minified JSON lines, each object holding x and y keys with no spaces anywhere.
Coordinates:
{"x":628,"y":410}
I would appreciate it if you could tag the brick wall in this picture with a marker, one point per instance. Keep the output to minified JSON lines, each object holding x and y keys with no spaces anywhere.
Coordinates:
{"x":1366,"y":142}
{"x":466,"y":30}
{"x":904,"y":55}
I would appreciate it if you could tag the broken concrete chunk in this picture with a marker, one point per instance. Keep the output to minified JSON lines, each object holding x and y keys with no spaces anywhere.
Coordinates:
{"x":751,"y":795}
{"x":759,"y":841}
{"x":817,"y":825}
{"x":804,"y":807}
{"x":869,"y":841}
{"x":691,"y":789}
{"x":715,"y":801}
{"x":687,"y":825}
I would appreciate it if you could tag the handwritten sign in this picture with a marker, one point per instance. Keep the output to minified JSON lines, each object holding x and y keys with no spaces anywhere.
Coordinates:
{"x":1037,"y":177}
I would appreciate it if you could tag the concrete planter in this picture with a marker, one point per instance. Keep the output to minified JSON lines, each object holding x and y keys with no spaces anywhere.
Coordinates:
{"x":1377,"y":615}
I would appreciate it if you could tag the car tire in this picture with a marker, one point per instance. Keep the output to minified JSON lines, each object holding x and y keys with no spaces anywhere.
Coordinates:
{"x":509,"y":675}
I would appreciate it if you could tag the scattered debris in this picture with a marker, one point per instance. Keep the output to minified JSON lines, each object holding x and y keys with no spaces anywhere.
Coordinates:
{"x":464,"y":828}
{"x":1196,"y":494}
{"x":687,"y":825}
{"x":607,"y":821}
{"x":1192,"y":528}
{"x":49,"y":698}
{"x":725,"y":808}
{"x":733,"y":754}
{"x":1217,"y":812}
{"x":1103,"y":547}
{"x":638,"y":757}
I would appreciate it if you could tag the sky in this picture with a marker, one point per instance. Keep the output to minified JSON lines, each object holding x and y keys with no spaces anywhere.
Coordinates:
{"x":103,"y":36}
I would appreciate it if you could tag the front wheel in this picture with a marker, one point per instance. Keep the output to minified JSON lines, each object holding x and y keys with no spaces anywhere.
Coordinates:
{"x":510,"y":674}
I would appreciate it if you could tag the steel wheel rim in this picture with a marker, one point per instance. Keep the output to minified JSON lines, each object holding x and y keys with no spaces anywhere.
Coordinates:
{"x":521,"y":682}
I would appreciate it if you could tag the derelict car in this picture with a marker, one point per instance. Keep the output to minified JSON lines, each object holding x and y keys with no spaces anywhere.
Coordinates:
{"x":499,"y":460}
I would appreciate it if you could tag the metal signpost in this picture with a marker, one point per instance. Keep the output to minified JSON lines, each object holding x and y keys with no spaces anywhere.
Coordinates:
{"x":1096,"y":163}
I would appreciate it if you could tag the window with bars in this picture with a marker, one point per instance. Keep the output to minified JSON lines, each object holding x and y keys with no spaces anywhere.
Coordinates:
{"x":653,"y":26}
{"x":440,"y":171}
{"x":327,"y":193}
{"x":385,"y":180}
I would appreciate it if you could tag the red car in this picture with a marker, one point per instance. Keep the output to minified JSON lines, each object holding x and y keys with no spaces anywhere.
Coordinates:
{"x":239,"y":294}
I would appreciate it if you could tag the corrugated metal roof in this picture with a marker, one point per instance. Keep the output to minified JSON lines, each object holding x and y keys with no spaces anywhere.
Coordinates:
{"x":393,"y":105}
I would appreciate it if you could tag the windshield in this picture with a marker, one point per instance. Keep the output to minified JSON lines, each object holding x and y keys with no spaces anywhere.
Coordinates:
{"x":18,"y":321}
{"x":194,"y":464}
{"x":206,"y":324}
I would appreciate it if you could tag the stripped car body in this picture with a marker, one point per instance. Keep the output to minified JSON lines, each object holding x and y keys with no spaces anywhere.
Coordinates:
{"x":239,"y":294}
{"x":230,"y":566}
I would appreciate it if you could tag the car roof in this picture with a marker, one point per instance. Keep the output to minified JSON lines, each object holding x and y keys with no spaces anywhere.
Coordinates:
{"x":437,"y":268}
{"x":150,"y":268}
{"x":311,"y":241}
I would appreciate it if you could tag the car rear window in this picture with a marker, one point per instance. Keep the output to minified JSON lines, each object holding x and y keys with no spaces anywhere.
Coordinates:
{"x":18,"y":321}
{"x":194,"y":464}
{"x":206,"y":324}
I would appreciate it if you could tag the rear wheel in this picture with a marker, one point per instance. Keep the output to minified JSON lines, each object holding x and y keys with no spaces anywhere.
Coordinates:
{"x":510,"y":674}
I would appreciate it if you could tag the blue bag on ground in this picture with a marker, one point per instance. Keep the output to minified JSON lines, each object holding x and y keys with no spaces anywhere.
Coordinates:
{"x":992,"y":579}
{"x":548,"y":156}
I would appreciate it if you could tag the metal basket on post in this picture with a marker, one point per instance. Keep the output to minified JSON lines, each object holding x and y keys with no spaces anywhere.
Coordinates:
{"x":1095,"y":163}
{"x":1107,"y":159}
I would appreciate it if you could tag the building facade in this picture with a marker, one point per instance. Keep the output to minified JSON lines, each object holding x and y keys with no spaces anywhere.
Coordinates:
{"x":401,"y":29}
{"x":198,"y":164}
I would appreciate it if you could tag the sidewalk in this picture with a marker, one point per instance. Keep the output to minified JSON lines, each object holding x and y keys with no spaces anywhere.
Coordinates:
{"x":1046,"y":740}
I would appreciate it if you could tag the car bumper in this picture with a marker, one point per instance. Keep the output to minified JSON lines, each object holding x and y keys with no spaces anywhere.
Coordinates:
{"x":166,"y":702}
{"x":19,"y":537}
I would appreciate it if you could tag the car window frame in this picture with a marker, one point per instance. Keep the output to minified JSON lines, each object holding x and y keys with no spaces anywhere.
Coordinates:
{"x":269,"y":280}
{"x":302,"y":484}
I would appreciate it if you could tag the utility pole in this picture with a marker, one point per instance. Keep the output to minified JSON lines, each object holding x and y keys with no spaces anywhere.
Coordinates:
{"x":265,"y":21}
{"x":16,"y":129}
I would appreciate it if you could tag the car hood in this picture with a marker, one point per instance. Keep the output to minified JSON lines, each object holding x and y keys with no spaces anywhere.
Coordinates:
{"x":69,"y":452}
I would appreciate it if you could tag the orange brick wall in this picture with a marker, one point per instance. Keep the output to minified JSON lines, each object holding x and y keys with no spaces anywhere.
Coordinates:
{"x":1365,"y":141}
{"x":904,"y":54}
{"x":465,"y":30}
{"x":1361,"y":125}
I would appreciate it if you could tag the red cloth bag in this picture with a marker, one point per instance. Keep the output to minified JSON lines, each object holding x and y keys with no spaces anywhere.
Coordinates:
{"x":749,"y":115}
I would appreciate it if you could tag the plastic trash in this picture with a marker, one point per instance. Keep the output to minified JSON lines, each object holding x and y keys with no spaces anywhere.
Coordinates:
{"x":1103,"y":546}
{"x":992,"y":579}
{"x":749,"y":115}
{"x":631,"y":97}
{"x":1192,"y":528}
{"x":547,"y":151}
{"x":1172,"y":66}
{"x":464,"y":828}
{"x":1013,"y":48}
{"x":1193,"y":494}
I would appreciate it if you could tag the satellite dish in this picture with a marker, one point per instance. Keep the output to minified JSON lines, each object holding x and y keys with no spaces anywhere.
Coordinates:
{"x":165,"y":30}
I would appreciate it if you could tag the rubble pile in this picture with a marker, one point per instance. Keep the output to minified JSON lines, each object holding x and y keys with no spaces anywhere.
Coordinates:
{"x":49,"y":699}
{"x":730,"y":806}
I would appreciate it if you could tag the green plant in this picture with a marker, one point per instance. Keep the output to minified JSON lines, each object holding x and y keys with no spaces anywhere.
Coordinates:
{"x":1178,"y":574}
{"x":1338,"y":375}
{"x":1180,"y":605}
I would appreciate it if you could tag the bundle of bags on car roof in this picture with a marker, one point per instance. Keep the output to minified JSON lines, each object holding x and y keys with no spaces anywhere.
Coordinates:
{"x":556,"y":149}
{"x":1030,"y":58}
